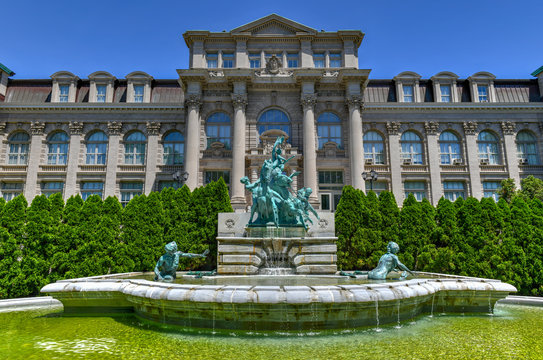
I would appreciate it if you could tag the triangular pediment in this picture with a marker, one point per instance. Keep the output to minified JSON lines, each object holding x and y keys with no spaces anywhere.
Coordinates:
{"x":273,"y":25}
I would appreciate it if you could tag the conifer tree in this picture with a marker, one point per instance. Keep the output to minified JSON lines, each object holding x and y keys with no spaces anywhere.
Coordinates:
{"x":390,"y":217}
{"x":349,"y":221}
{"x":412,"y":220}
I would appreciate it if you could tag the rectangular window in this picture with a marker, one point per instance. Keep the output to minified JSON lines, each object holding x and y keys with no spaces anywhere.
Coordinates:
{"x":335,"y":59}
{"x":215,"y":175}
{"x":101,"y":93}
{"x":169,"y":184}
{"x":377,"y":186}
{"x":445,"y":93}
{"x":50,"y":188}
{"x":452,"y":190}
{"x":64,"y":91}
{"x":490,"y":189}
{"x":11,"y":190}
{"x":292,"y":60}
{"x":89,"y":188}
{"x":212,"y":60}
{"x":227,"y":60}
{"x":254,"y":60}
{"x":482,"y":92}
{"x":129,"y":190}
{"x":138,"y":93}
{"x":318,"y":60}
{"x":331,"y":178}
{"x":417,"y":188}
{"x":408,"y":93}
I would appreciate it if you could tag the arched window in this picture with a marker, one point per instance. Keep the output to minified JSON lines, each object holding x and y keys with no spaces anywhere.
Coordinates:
{"x":97,"y":148}
{"x":218,"y":129}
{"x":329,"y":129}
{"x":374,"y":148}
{"x":449,"y":147}
{"x":411,"y":147}
{"x":273,"y":119}
{"x":57,"y":148}
{"x":488,"y":148}
{"x":18,"y":148}
{"x":174,"y":148}
{"x":134,"y":148}
{"x":527,"y":148}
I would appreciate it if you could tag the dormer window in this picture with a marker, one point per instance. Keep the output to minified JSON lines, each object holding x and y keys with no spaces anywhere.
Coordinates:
{"x":138,"y":87}
{"x":445,"y":87}
{"x":335,"y":59}
{"x":407,"y":87}
{"x":228,"y":60}
{"x":318,"y":60}
{"x":482,"y":93}
{"x":408,"y":93}
{"x":482,"y":87}
{"x":101,"y":93}
{"x":101,"y":87}
{"x":64,"y":92}
{"x":445,"y":93}
{"x":64,"y":87}
{"x":138,"y":93}
{"x":212,"y":60}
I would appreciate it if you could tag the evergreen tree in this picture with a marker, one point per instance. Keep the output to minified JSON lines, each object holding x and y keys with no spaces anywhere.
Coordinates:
{"x":349,"y":221}
{"x":412,"y":236}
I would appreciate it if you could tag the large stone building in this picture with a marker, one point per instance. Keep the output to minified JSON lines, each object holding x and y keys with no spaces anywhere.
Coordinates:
{"x":442,"y":136}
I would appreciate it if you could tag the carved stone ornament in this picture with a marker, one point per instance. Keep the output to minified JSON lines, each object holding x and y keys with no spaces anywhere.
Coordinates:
{"x":323,"y":223}
{"x":2,"y":126}
{"x":76,"y":128}
{"x":230,"y":223}
{"x":193,"y":102}
{"x":217,"y":149}
{"x":153,"y":128}
{"x":114,"y":127}
{"x":308,"y":101}
{"x":508,"y":128}
{"x":330,"y":74}
{"x":431,"y":127}
{"x":393,"y":128}
{"x":239,"y":101}
{"x":470,"y":127}
{"x":354,"y":101}
{"x":213,"y":73}
{"x":36,"y":128}
{"x":274,"y":67}
{"x":330,"y":149}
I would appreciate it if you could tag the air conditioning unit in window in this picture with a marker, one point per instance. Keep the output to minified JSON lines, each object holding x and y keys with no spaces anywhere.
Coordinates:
{"x":369,"y":161}
{"x":523,"y":161}
{"x":457,"y":162}
{"x":407,"y":161}
{"x":483,"y":161}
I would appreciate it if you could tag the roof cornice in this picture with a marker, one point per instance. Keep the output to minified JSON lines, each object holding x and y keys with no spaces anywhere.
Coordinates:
{"x":438,"y":107}
{"x":132,"y":107}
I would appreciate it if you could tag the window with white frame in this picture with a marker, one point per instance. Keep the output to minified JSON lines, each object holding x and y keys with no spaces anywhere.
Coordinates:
{"x":134,"y":148}
{"x":215,"y":175}
{"x":254,"y":60}
{"x":138,"y":93}
{"x":488,"y":145}
{"x":96,"y":148}
{"x":18,"y":148}
{"x":51,"y":187}
{"x":129,"y":190}
{"x":319,"y":59}
{"x":329,"y":129}
{"x":212,"y":59}
{"x":273,"y":119}
{"x":527,"y":148}
{"x":11,"y":190}
{"x":218,"y":129}
{"x":376,"y":186}
{"x":228,"y":60}
{"x":482,"y":93}
{"x":411,"y":148}
{"x":449,"y":147}
{"x":452,"y":190}
{"x":101,"y":93}
{"x":89,"y":188}
{"x":417,"y":188}
{"x":445,"y":91}
{"x":330,"y":187}
{"x":174,"y":148}
{"x":490,"y":189}
{"x":335,"y":59}
{"x":57,"y":146}
{"x":292,"y":60}
{"x":408,"y":93}
{"x":64,"y":92}
{"x":374,"y":148}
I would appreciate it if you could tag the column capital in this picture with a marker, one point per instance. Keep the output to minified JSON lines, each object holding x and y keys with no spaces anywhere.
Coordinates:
{"x":431,"y":127}
{"x":153,"y":127}
{"x":76,"y":128}
{"x":37,"y":127}
{"x":508,"y":128}
{"x":355,"y":101}
{"x":193,"y":102}
{"x":239,"y":101}
{"x":470,"y":127}
{"x":308,"y":101}
{"x":114,"y":127}
{"x":3,"y":125}
{"x":393,"y":127}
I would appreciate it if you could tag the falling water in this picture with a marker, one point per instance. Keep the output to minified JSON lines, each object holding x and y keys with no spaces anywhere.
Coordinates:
{"x":398,"y":326}
{"x":432,"y":310}
{"x":490,"y":310}
{"x":377,"y":311}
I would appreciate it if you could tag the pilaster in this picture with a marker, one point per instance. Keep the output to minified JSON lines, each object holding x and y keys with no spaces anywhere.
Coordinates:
{"x":508,"y":130}
{"x":470,"y":130}
{"x":34,"y":156}
{"x":239,"y":103}
{"x":114,"y":134}
{"x":393,"y":130}
{"x":433,"y":160}
{"x":192,"y":150}
{"x":356,"y":149}
{"x":153,"y":130}
{"x":76,"y":129}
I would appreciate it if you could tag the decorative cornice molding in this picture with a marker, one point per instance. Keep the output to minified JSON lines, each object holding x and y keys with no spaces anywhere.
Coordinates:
{"x":153,"y":127}
{"x":308,"y":101}
{"x":76,"y":128}
{"x":239,"y":101}
{"x":508,"y":128}
{"x":37,"y":127}
{"x":393,"y":128}
{"x":470,"y":127}
{"x":4,"y":108}
{"x":114,"y":127}
{"x":355,"y":101}
{"x":193,"y":102}
{"x":3,"y":125}
{"x":431,"y":127}
{"x":472,"y":107}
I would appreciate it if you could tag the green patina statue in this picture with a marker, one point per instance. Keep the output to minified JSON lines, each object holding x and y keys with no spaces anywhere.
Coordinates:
{"x":170,"y":261}
{"x":388,"y":263}
{"x":273,"y":199}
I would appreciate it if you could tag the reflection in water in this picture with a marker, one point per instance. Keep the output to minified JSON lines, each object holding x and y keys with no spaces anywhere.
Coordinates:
{"x":78,"y":346}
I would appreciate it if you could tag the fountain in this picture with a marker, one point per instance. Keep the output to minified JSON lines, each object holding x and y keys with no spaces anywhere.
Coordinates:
{"x":278,"y":272}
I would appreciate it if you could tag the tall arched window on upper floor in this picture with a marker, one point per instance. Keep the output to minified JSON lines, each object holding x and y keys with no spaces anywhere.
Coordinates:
{"x":174,"y":148}
{"x":18,"y":148}
{"x":218,"y":129}
{"x":134,"y":148}
{"x":374,"y":148}
{"x":329,"y":129}
{"x":96,"y":148}
{"x":489,"y":151}
{"x":449,"y":148}
{"x":527,"y":148}
{"x":273,"y":119}
{"x":57,"y":146}
{"x":411,"y":148}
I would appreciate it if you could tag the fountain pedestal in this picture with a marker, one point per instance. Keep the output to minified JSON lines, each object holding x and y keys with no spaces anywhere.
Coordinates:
{"x":244,"y":250}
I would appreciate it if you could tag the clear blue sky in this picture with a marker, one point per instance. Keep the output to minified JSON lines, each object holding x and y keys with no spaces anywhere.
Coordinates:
{"x":42,"y":37}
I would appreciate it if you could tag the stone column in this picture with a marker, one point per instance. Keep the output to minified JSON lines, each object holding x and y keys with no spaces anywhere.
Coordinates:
{"x":34,"y":156}
{"x":239,"y":102}
{"x":153,"y":129}
{"x":310,"y":152}
{"x":470,"y":128}
{"x":356,"y":153}
{"x":192,"y":149}
{"x":510,"y":156}
{"x":433,"y":160}
{"x":393,"y":129}
{"x":114,"y":133}
{"x":76,"y":129}
{"x":3,"y":125}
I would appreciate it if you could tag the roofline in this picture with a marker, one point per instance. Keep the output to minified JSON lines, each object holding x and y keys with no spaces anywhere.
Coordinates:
{"x":5,"y":69}
{"x":538,"y":71}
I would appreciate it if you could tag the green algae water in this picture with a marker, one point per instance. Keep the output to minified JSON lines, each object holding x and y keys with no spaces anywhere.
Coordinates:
{"x":513,"y":332}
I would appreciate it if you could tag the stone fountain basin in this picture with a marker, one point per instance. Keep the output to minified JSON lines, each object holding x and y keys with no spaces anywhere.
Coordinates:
{"x":256,"y":307}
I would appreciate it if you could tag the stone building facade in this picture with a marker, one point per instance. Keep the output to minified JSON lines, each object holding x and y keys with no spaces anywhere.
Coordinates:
{"x":442,"y":136}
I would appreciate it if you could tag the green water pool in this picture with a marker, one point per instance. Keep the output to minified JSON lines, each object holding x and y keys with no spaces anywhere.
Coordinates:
{"x":513,"y":332}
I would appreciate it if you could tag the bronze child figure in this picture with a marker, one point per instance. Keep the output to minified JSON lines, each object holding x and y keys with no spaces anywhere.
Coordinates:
{"x":388,"y":263}
{"x":170,"y":261}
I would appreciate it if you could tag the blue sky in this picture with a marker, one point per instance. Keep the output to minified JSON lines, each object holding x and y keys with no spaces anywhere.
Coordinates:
{"x":42,"y":37}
